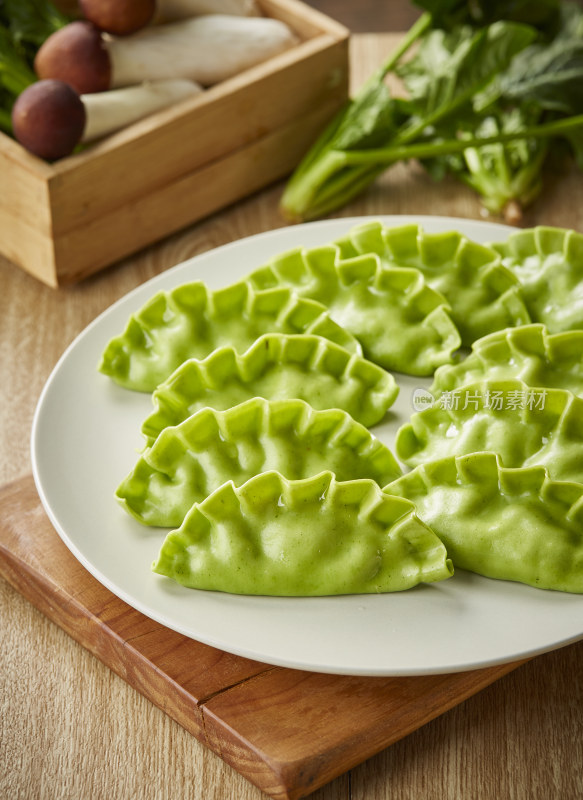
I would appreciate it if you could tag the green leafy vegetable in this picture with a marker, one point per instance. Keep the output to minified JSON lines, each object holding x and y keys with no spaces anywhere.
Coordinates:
{"x":447,"y":13}
{"x":451,"y":67}
{"x":542,"y":83}
{"x":486,"y":94}
{"x":548,"y":76}
{"x":30,"y":22}
{"x":15,"y":76}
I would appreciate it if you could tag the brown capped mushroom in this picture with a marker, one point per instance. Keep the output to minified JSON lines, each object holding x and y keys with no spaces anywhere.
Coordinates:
{"x":118,"y":17}
{"x":77,"y":55}
{"x":48,"y":118}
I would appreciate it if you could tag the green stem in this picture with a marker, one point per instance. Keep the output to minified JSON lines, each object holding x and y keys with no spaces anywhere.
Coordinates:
{"x":388,"y":155}
{"x":301,"y":192}
{"x":415,"y":32}
{"x":340,"y":186}
{"x":339,"y":191}
{"x":341,"y":175}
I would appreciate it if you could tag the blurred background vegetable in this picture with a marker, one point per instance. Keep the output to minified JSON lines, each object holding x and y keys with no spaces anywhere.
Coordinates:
{"x":118,"y":17}
{"x":78,"y":55}
{"x":111,"y":111}
{"x":50,"y":118}
{"x":491,"y":88}
{"x":206,"y":49}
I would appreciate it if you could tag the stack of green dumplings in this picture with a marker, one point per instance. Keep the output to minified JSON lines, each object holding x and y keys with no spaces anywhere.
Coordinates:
{"x":259,"y":452}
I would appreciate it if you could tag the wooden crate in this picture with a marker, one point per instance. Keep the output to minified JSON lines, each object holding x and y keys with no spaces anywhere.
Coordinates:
{"x":66,"y":220}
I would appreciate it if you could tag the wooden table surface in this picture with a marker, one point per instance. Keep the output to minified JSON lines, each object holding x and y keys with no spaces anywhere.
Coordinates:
{"x":70,"y":728}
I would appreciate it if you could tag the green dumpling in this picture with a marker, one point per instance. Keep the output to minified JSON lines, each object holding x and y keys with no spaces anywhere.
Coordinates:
{"x":191,"y":321}
{"x":528,"y":353}
{"x":548,"y":262}
{"x":309,"y":537}
{"x":510,"y":524}
{"x":277,"y":366}
{"x":525,"y":426}
{"x":188,"y":462}
{"x":482,"y":294}
{"x":401,"y":323}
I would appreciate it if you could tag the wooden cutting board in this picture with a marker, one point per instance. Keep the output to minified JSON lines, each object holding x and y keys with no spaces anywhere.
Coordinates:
{"x":287,"y":731}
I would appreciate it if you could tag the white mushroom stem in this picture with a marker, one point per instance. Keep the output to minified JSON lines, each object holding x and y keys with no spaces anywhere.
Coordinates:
{"x":107,"y":112}
{"x":208,"y":49}
{"x":172,"y":10}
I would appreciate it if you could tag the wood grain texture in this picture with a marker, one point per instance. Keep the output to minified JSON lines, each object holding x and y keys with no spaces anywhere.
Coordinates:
{"x":288,"y":731}
{"x":70,"y":728}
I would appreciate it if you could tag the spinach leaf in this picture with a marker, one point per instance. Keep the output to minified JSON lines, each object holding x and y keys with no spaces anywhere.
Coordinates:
{"x":370,"y":120}
{"x":548,"y":76}
{"x":449,"y":13}
{"x":30,"y":22}
{"x":15,"y":73}
{"x":451,"y":67}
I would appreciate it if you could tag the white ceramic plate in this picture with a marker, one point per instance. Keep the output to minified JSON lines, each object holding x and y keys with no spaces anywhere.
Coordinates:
{"x":85,"y":440}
